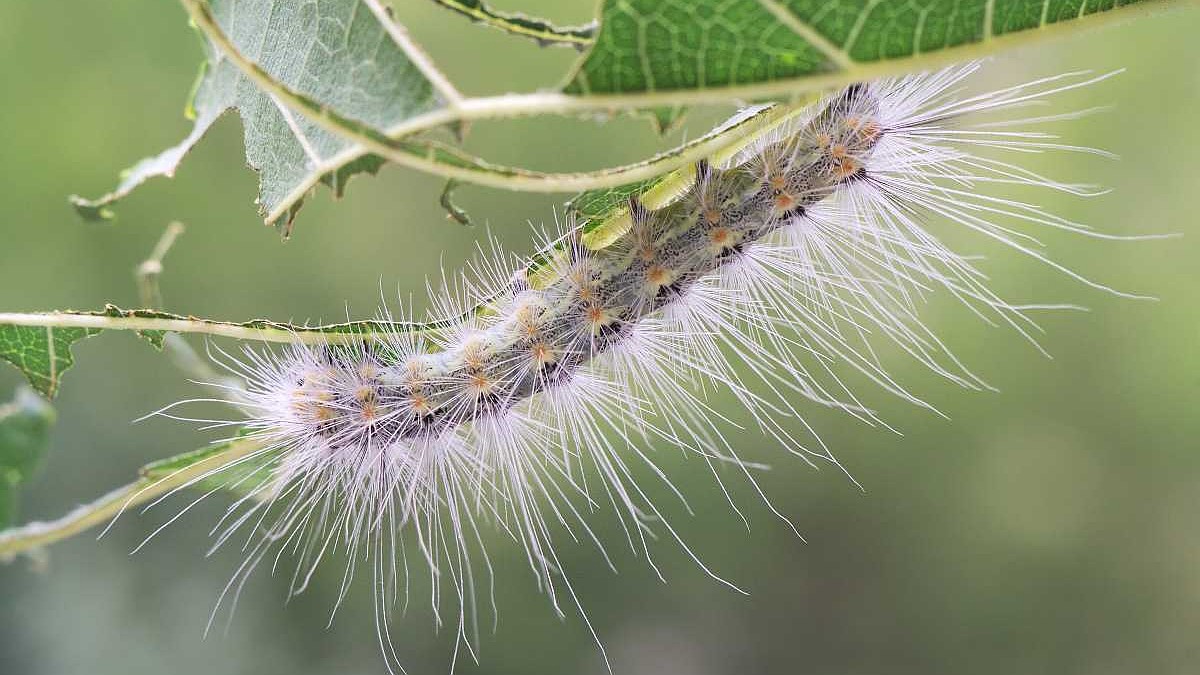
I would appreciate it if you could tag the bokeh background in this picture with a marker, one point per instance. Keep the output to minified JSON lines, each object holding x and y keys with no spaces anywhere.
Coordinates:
{"x":1049,"y":528}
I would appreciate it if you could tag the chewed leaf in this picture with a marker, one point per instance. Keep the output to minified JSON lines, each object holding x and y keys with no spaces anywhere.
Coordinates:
{"x":162,"y":164}
{"x":154,"y":337}
{"x":41,"y":353}
{"x":332,"y":89}
{"x":337,"y":53}
{"x":681,"y":45}
{"x":24,"y":429}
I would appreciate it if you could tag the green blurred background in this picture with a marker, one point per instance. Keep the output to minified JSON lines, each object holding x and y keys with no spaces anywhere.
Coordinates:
{"x":1049,"y":528}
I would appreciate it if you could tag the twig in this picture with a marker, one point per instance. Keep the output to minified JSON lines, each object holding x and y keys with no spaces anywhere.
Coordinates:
{"x":35,"y":535}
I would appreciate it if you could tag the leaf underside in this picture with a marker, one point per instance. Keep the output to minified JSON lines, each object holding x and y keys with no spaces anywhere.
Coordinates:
{"x":339,"y":56}
{"x":334,"y":51}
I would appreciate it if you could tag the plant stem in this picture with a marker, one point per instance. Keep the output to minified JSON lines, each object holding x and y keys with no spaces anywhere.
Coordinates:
{"x":35,"y":535}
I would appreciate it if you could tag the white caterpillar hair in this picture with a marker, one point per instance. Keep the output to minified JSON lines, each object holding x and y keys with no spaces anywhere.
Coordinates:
{"x":766,"y":279}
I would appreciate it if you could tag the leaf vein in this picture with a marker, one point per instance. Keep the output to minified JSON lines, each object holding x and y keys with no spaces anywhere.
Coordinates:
{"x":836,"y":55}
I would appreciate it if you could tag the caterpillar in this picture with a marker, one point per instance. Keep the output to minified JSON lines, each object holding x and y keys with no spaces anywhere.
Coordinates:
{"x":544,"y":396}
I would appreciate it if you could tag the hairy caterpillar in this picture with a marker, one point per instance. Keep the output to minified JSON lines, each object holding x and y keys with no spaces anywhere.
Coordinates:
{"x":783,"y":261}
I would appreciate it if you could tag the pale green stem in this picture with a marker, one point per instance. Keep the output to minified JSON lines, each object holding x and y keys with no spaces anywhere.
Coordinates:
{"x":307,"y":335}
{"x":36,"y":535}
{"x":175,"y":347}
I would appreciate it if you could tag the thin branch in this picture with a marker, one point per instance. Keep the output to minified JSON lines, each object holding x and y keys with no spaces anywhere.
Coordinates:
{"x":150,"y":270}
{"x":344,"y":333}
{"x":36,"y":535}
{"x":148,"y":274}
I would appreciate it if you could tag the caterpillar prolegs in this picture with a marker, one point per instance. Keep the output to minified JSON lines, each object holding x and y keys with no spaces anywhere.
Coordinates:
{"x":768,"y":279}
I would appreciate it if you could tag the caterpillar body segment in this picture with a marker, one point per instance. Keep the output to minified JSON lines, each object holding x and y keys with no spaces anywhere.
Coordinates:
{"x":772,"y":279}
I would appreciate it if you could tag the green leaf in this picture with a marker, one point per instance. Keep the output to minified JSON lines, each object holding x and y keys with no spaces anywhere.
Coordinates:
{"x":154,"y":337}
{"x":333,"y":51}
{"x":41,"y":353}
{"x":24,"y":434}
{"x":668,"y":45}
{"x":666,"y":118}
